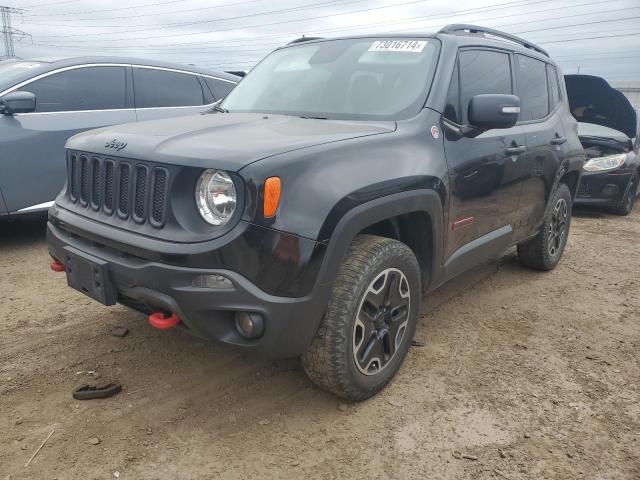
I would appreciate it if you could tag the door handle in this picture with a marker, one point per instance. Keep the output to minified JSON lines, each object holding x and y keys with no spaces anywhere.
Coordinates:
{"x":558,"y":140}
{"x":516,"y":150}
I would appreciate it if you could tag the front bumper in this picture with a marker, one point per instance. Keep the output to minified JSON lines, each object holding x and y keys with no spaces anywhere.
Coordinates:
{"x":149,"y":285}
{"x":602,"y":189}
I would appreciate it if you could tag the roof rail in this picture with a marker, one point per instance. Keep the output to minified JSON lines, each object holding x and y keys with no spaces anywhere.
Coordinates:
{"x":303,"y":39}
{"x":463,"y":29}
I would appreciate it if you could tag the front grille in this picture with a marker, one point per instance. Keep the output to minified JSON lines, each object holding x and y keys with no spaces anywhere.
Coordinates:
{"x":127,"y":188}
{"x":583,"y":190}
{"x":159,"y":197}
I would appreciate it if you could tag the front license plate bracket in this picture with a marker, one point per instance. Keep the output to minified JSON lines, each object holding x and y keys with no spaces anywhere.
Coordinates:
{"x":89,"y":275}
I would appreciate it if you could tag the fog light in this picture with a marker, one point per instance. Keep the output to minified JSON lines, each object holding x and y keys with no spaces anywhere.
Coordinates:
{"x":610,"y":190}
{"x":214,"y":282}
{"x":249,"y":325}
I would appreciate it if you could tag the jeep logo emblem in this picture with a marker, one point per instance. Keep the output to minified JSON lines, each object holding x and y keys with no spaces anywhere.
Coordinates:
{"x":115,"y":144}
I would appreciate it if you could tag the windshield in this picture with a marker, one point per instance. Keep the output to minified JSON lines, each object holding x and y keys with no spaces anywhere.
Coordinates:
{"x":344,"y":79}
{"x":10,"y":69}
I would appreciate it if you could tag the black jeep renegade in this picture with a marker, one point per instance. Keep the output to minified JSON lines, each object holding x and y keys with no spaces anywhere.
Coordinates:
{"x":309,"y":211}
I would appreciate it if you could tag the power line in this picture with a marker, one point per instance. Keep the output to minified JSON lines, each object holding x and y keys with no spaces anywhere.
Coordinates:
{"x":131,"y":7}
{"x":50,"y":3}
{"x":182,"y":34}
{"x":510,"y":4}
{"x":590,"y":38}
{"x":388,"y":24}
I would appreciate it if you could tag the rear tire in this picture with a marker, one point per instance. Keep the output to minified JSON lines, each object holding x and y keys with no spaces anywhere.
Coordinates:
{"x":629,"y":200}
{"x":543,"y":252}
{"x":370,"y":319}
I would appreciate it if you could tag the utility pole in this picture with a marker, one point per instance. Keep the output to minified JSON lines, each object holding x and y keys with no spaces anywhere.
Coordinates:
{"x":8,"y":32}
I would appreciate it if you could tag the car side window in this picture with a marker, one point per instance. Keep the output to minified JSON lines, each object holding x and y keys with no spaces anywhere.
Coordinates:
{"x":531,"y":76}
{"x":554,"y":86}
{"x":80,"y":89}
{"x":219,"y":88}
{"x":452,"y":107}
{"x":483,"y":72}
{"x":162,"y":88}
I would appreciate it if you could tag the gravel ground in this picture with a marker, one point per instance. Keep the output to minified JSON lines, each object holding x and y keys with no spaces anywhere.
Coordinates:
{"x":523,"y":375}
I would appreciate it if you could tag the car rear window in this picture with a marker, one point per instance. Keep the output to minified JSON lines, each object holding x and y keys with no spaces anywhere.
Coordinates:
{"x":162,"y":88}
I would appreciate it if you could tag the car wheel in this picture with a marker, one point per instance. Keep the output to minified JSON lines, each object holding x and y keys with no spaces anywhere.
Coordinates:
{"x":626,"y":207}
{"x":543,"y":252}
{"x":370,"y":319}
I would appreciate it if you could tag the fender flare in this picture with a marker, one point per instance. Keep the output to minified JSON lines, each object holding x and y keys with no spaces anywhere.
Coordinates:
{"x":374,"y":211}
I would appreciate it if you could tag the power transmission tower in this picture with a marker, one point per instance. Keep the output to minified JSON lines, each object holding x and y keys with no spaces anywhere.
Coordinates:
{"x":8,"y":32}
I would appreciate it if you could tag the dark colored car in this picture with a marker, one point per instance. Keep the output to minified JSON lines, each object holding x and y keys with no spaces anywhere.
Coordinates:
{"x":608,"y":130}
{"x":44,"y":102}
{"x":339,"y":181}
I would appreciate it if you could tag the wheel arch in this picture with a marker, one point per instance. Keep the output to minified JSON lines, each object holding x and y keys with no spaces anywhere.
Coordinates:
{"x":392,"y":216}
{"x":571,"y":179}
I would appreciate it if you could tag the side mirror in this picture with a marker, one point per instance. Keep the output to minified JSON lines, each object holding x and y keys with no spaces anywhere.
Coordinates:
{"x":493,"y":111}
{"x":17,"y":102}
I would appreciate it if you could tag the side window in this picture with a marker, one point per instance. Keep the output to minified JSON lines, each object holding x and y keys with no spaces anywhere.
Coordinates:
{"x":90,"y":88}
{"x":452,"y":108}
{"x":554,"y":87}
{"x":161,"y":88}
{"x":532,"y":88}
{"x":219,"y":88}
{"x":482,"y":72}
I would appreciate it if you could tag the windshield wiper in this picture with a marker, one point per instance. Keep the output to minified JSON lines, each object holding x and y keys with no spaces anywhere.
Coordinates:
{"x":218,"y":108}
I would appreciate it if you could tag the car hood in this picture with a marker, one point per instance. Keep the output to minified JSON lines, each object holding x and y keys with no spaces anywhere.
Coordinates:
{"x":593,"y":100}
{"x":227,"y":141}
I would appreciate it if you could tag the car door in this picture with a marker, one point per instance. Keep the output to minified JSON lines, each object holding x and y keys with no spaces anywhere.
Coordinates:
{"x":32,"y":155}
{"x":484,"y":176}
{"x":540,"y":117}
{"x":162,"y":93}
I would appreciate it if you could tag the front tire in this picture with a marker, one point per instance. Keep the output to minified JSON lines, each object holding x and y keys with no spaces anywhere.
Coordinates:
{"x":629,"y":200}
{"x":370,"y":319}
{"x":543,"y":252}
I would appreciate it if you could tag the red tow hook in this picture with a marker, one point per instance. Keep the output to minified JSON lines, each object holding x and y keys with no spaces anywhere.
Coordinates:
{"x":57,"y":266}
{"x":161,"y":321}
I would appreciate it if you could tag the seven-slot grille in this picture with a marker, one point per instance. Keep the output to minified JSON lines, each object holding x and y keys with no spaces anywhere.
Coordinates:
{"x":583,"y":190}
{"x":125,"y":188}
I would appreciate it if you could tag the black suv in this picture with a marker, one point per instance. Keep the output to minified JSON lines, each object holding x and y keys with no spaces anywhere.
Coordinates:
{"x":309,"y":211}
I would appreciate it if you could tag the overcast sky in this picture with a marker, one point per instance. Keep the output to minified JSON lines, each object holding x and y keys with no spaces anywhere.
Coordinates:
{"x":235,"y":34}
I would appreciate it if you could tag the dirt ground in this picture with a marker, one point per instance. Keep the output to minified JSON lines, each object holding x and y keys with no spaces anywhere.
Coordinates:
{"x":523,"y":375}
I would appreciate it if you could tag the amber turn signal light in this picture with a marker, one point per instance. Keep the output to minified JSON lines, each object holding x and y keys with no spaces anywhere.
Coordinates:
{"x":272,"y":189}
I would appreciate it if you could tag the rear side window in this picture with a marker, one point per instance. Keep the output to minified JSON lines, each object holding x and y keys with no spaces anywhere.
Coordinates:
{"x":161,"y":88}
{"x":531,"y":76}
{"x":219,"y":88}
{"x":482,"y":72}
{"x":554,"y":86}
{"x":80,"y":89}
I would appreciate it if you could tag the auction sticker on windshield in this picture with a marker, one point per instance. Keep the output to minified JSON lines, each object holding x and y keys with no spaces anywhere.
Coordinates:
{"x":411,"y":46}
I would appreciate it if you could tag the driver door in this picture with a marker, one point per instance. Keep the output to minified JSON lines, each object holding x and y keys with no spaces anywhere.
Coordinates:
{"x":485,"y":172}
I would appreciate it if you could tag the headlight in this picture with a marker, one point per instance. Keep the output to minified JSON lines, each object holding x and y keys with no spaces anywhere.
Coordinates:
{"x":216,"y":197}
{"x":609,"y":162}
